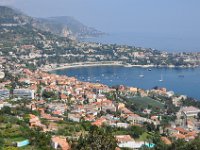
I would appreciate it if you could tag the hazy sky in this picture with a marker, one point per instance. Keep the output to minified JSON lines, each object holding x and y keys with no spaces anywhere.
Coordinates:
{"x":181,"y":17}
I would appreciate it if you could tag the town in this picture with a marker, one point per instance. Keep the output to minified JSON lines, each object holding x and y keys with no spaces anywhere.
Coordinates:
{"x":60,"y":105}
{"x":41,"y":110}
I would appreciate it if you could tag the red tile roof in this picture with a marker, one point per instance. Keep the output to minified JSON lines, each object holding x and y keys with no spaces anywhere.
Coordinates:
{"x":61,"y":141}
{"x":123,"y":138}
{"x":166,"y":140}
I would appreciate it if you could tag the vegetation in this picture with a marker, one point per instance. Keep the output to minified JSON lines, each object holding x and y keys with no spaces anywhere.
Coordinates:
{"x":97,"y":139}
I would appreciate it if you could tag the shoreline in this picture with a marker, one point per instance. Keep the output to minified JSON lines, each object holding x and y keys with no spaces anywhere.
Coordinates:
{"x":107,"y":63}
{"x":82,"y":64}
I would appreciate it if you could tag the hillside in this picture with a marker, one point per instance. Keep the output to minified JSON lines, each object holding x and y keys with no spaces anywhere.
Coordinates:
{"x":11,"y":17}
{"x":62,"y":26}
{"x":37,"y":43}
{"x":66,"y":26}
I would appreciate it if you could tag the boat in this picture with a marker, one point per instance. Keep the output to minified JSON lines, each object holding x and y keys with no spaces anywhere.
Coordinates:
{"x":97,"y":81}
{"x":149,"y":69}
{"x":161,"y":78}
{"x":141,"y":76}
{"x":128,"y":65}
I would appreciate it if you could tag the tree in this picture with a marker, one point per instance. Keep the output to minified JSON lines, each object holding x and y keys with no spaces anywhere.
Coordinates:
{"x":177,"y":145}
{"x":39,"y":139}
{"x":24,"y":101}
{"x":49,"y":94}
{"x":183,"y":145}
{"x":1,"y":142}
{"x":198,"y":116}
{"x":97,"y":139}
{"x":5,"y":110}
{"x":150,"y":126}
{"x":136,"y":131}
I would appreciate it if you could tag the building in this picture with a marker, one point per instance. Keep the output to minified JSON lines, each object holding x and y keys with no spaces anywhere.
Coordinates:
{"x":166,"y":140}
{"x":24,"y":93}
{"x":3,"y":104}
{"x":74,"y":117}
{"x":126,"y":141}
{"x":190,"y":111}
{"x":177,"y":101}
{"x":4,"y":94}
{"x":135,"y":119}
{"x":60,"y":142}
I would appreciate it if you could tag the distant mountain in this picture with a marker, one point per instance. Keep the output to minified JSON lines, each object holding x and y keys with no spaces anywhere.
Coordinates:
{"x":9,"y":16}
{"x":62,"y":26}
{"x":17,"y":28}
{"x":66,"y":25}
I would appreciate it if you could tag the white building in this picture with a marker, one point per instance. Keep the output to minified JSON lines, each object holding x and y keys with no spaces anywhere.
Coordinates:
{"x":4,"y":94}
{"x":3,"y":104}
{"x":24,"y":93}
{"x":190,"y":111}
{"x":74,"y":117}
{"x":60,"y":142}
{"x":126,"y":141}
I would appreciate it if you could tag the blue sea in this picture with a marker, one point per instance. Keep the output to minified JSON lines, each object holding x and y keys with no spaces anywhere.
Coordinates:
{"x":180,"y":80}
{"x":163,"y":42}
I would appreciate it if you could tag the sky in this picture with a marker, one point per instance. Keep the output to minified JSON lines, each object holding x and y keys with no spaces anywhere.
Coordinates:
{"x":181,"y":17}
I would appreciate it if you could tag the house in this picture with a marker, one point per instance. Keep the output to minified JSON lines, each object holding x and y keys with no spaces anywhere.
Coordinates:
{"x":119,"y":124}
{"x":191,"y":124}
{"x":24,"y":93}
{"x":60,"y":142}
{"x":49,"y":117}
{"x":177,"y":101}
{"x":126,"y":141}
{"x":170,"y":130}
{"x":99,"y":122}
{"x":52,"y":126}
{"x":133,"y":89}
{"x":74,"y":117}
{"x":181,"y":130}
{"x":178,"y":136}
{"x":166,"y":140}
{"x":89,"y":118}
{"x":181,"y":133}
{"x":4,"y":94}
{"x":34,"y":121}
{"x":190,"y":135}
{"x":135,"y":119}
{"x":121,"y":105}
{"x":63,"y":97}
{"x":170,"y":93}
{"x":3,"y":104}
{"x":190,"y":111}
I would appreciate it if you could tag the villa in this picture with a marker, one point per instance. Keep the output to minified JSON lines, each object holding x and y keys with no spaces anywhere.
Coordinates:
{"x":190,"y":111}
{"x":60,"y":142}
{"x":126,"y":141}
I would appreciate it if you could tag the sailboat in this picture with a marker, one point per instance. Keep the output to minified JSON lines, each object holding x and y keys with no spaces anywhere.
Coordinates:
{"x":161,"y":78}
{"x":141,"y":75}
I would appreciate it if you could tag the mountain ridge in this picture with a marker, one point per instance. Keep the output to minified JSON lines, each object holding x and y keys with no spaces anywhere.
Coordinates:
{"x":63,"y":26}
{"x":76,"y":27}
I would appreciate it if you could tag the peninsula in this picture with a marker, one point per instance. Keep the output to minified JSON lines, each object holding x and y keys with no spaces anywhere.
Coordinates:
{"x":44,"y":111}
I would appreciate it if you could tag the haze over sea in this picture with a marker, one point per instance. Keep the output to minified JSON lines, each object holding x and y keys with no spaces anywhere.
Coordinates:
{"x":171,"y":25}
{"x":163,"y":42}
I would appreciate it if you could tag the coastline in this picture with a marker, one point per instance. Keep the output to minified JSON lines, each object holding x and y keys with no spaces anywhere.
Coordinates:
{"x":82,"y":64}
{"x":119,"y":65}
{"x":53,"y":67}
